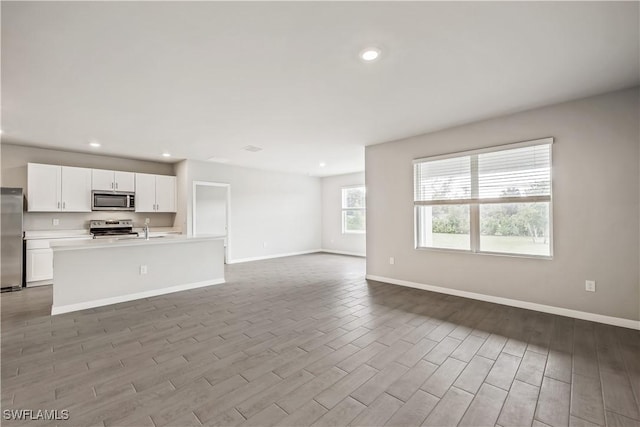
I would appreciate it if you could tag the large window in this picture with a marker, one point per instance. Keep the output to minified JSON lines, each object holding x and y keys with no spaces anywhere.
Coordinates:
{"x":495,"y":200}
{"x":353,"y":210}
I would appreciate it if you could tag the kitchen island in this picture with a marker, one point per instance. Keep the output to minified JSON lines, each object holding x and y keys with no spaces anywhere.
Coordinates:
{"x":93,"y":273}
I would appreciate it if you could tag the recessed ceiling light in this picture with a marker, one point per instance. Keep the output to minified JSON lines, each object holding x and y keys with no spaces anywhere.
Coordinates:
{"x":322,"y":164}
{"x":94,"y":144}
{"x":370,"y":54}
{"x":166,"y":155}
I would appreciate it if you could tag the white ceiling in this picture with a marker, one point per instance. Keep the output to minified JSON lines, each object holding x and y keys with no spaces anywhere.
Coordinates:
{"x":204,"y":79}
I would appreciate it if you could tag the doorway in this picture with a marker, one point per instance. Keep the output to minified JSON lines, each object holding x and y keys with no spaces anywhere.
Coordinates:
{"x":211,"y":202}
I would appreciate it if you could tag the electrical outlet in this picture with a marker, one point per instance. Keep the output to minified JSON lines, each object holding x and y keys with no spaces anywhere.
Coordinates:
{"x":147,"y":220}
{"x":143,"y":269}
{"x":392,"y":260}
{"x":55,"y":221}
{"x":590,"y":285}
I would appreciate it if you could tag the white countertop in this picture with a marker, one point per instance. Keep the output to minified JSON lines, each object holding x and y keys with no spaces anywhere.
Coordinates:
{"x":55,"y":234}
{"x":67,"y":234}
{"x":122,"y":242}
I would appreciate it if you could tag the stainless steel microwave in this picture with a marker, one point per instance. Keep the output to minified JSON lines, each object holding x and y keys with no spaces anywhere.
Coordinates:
{"x":112,"y":201}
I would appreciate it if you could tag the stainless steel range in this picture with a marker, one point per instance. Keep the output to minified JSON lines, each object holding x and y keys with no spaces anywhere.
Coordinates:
{"x":112,"y":228}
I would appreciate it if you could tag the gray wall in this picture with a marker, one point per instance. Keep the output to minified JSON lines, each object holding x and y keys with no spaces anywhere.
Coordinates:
{"x":332,"y":237}
{"x":14,"y":174}
{"x":596,"y":195}
{"x":280,"y":210}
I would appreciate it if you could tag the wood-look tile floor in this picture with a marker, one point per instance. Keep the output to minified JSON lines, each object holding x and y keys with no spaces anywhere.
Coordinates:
{"x":307,"y":341}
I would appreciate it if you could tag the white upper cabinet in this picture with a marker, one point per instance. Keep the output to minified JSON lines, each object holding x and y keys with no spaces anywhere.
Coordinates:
{"x":106,"y":180}
{"x":53,"y":188}
{"x":145,"y":192}
{"x":155,"y":193}
{"x":125,"y":181}
{"x":165,"y":193}
{"x":102,"y":180}
{"x":76,"y":189}
{"x":44,"y":187}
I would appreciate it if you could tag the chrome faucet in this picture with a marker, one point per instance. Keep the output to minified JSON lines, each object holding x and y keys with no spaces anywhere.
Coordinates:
{"x":146,"y":231}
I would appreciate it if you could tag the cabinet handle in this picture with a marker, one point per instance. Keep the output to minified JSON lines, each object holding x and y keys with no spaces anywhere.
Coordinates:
{"x":58,"y":205}
{"x":116,"y":185}
{"x":64,"y":205}
{"x":112,"y":185}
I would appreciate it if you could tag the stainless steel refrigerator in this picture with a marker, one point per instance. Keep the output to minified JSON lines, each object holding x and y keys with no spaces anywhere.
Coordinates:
{"x":11,"y":238}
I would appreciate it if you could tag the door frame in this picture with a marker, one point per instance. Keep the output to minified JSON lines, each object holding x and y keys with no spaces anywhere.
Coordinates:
{"x":228,"y":211}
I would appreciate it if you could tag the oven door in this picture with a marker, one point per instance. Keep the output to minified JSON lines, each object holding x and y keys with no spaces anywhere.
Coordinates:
{"x":102,"y":201}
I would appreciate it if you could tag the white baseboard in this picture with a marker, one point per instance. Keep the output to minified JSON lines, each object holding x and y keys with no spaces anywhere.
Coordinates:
{"x":593,"y":317}
{"x":260,"y":258}
{"x":39,"y":283}
{"x":130,"y":297}
{"x":331,"y":251}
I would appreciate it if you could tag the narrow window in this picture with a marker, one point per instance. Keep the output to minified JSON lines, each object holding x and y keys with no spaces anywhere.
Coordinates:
{"x":353,"y":210}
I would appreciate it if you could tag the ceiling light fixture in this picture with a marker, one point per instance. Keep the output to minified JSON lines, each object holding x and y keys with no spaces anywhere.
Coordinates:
{"x":166,"y":155}
{"x":94,"y":144}
{"x":370,"y":54}
{"x":322,"y":164}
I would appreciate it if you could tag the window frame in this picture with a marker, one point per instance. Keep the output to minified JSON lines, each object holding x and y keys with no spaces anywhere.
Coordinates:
{"x":344,"y":209}
{"x":475,"y":202}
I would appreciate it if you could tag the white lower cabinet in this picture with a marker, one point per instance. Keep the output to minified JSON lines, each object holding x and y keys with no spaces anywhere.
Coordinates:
{"x":39,"y":266}
{"x":39,"y":263}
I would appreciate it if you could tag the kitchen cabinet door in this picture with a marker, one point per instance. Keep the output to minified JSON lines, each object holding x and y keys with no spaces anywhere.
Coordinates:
{"x":165,"y":193}
{"x":102,"y":180}
{"x":145,"y":192}
{"x":39,"y":264}
{"x":125,"y":181}
{"x":43,"y":188}
{"x":76,"y":189}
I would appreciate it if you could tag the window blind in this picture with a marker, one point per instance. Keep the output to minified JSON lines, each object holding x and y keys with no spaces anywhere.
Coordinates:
{"x":520,"y":172}
{"x":500,"y":175}
{"x":446,"y":179}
